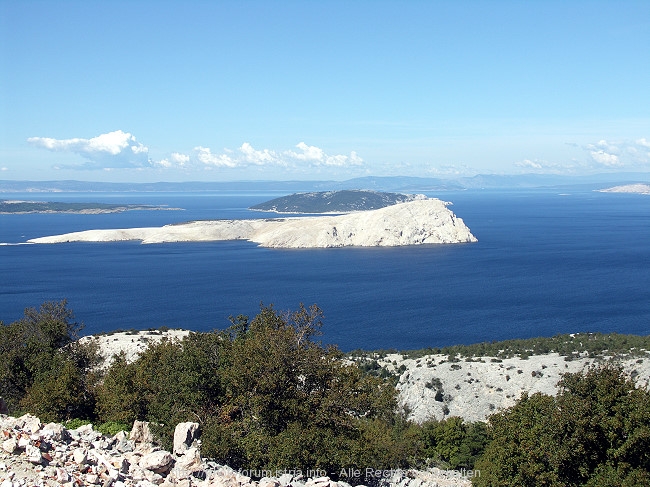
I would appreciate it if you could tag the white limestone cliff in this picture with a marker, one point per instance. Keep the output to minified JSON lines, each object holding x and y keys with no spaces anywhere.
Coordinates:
{"x":417,"y":222}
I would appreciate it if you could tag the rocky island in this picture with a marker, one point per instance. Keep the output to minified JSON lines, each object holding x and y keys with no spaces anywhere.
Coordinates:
{"x":638,"y":188}
{"x":421,"y":221}
{"x":335,"y":201}
{"x":24,"y":207}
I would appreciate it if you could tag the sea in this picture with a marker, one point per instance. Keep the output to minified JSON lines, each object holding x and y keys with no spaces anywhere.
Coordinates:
{"x":546,"y":262}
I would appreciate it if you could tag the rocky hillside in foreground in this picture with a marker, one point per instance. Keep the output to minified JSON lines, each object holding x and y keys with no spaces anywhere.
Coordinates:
{"x":334,"y":201}
{"x":34,"y":454}
{"x":427,"y":221}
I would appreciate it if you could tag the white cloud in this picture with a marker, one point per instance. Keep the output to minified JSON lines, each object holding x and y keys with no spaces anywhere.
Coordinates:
{"x":180,"y":159}
{"x":317,"y":157}
{"x":175,"y":160}
{"x":116,"y":149}
{"x":206,"y":157}
{"x":247,"y":156}
{"x":120,"y":149}
{"x":527,"y":163}
{"x":164,"y":163}
{"x":541,"y":166}
{"x":258,"y":157}
{"x":605,"y":158}
{"x":309,"y":153}
{"x":622,"y":153}
{"x":139,"y":149}
{"x":454,"y":170}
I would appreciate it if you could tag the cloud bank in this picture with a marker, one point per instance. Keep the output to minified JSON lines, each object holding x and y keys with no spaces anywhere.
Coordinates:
{"x":116,"y":149}
{"x":120,"y":149}
{"x":602,"y":155}
{"x":620,"y":153}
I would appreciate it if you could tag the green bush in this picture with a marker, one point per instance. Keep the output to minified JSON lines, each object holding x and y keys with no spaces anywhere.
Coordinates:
{"x":267,"y":395}
{"x":596,"y":432}
{"x":43,"y":369}
{"x":453,"y":443}
{"x":73,"y":424}
{"x":111,"y":428}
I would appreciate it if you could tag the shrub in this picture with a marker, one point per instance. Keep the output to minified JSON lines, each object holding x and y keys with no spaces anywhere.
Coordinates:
{"x":43,"y":369}
{"x":596,"y":432}
{"x":111,"y":428}
{"x":266,"y":394}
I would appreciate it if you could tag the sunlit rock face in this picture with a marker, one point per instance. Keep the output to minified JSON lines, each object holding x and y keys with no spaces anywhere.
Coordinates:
{"x":427,"y":221}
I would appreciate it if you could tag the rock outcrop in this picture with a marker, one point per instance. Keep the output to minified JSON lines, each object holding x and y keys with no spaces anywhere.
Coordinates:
{"x":426,"y":221}
{"x":37,"y":455}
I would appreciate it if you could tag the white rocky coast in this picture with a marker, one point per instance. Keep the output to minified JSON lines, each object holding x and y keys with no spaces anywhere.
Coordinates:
{"x":638,"y":188}
{"x":417,"y":222}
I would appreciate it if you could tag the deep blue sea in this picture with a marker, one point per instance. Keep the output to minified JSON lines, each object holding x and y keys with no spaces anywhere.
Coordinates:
{"x":545,"y":263}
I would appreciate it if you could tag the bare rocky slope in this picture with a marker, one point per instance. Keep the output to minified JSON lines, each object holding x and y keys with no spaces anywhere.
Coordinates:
{"x":426,"y":221}
{"x":432,"y":387}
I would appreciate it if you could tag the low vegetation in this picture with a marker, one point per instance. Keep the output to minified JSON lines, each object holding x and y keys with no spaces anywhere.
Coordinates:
{"x":268,"y":395}
{"x":570,"y":346}
{"x":333,"y":201}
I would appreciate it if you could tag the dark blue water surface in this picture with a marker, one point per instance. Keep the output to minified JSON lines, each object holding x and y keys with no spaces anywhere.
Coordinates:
{"x":545,"y":264}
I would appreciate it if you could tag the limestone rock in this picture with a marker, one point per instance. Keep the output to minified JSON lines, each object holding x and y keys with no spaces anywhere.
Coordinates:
{"x":48,"y":457}
{"x":10,"y":445}
{"x":55,"y":431}
{"x":33,"y":454}
{"x":140,"y":432}
{"x":159,"y":461}
{"x":80,"y":456}
{"x":30,"y":424}
{"x":185,"y":435}
{"x":190,"y":461}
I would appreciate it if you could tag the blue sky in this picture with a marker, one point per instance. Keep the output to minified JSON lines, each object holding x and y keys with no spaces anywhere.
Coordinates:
{"x":236,"y":90}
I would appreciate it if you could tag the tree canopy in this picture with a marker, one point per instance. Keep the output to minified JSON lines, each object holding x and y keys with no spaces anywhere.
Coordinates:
{"x":595,"y":432}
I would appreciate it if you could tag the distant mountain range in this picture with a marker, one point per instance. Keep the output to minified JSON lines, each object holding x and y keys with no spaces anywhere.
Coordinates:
{"x":389,"y":183}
